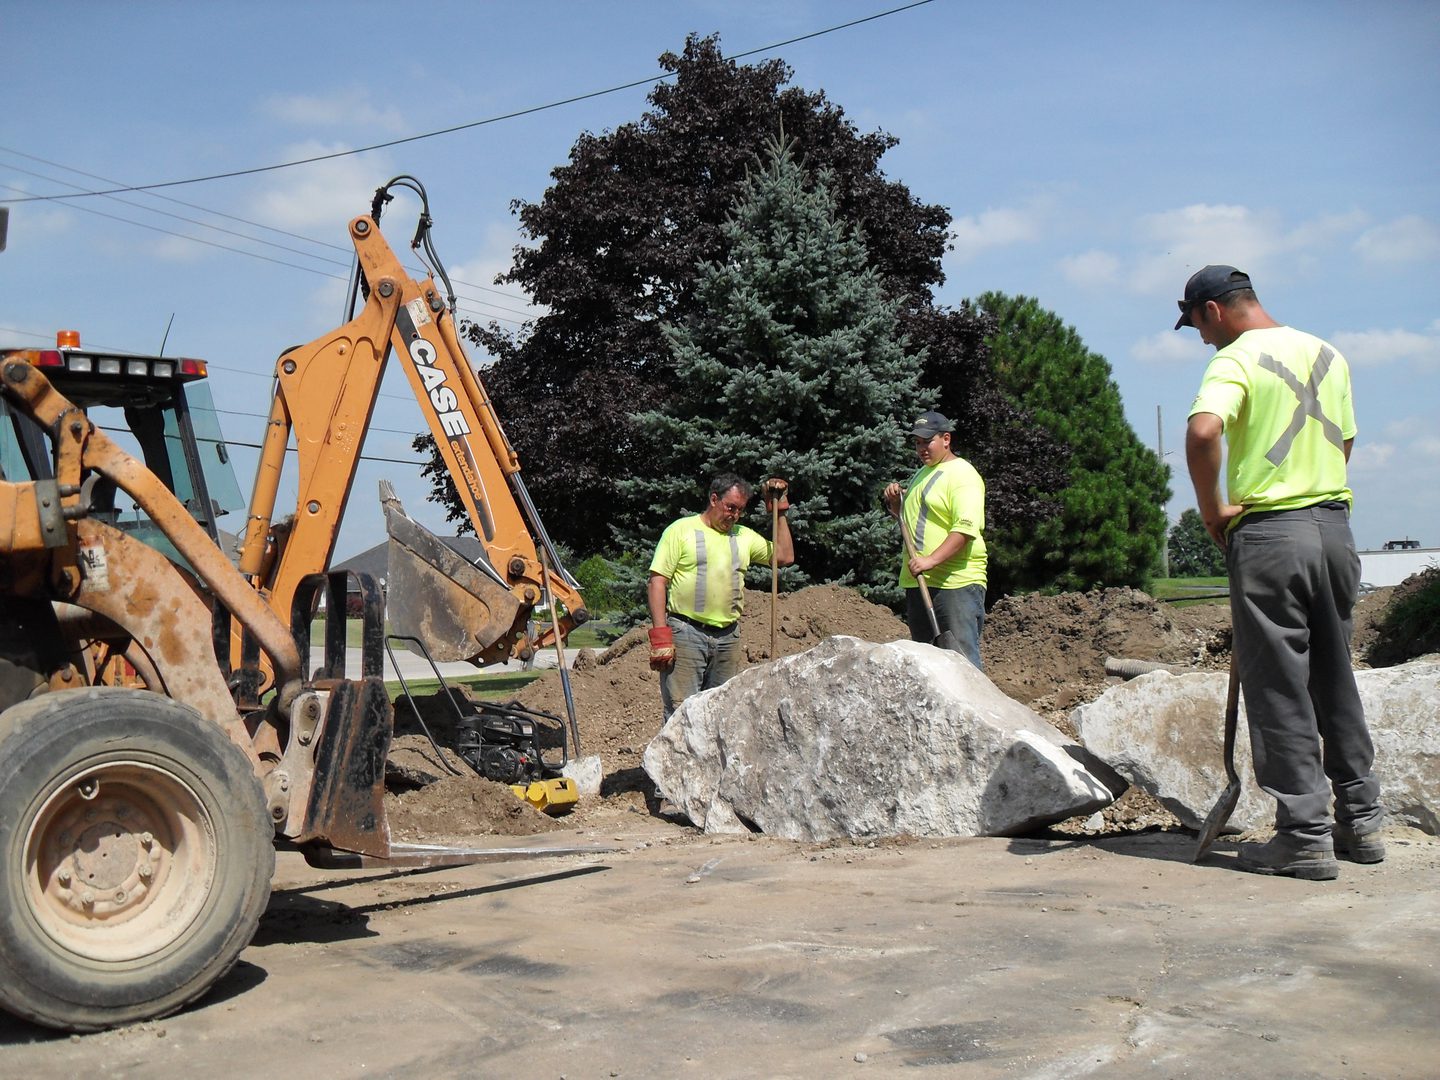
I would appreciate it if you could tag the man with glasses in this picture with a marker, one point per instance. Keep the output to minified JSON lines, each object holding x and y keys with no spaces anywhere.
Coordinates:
{"x":697,"y":586}
{"x":944,"y":506}
{"x":1280,"y":399}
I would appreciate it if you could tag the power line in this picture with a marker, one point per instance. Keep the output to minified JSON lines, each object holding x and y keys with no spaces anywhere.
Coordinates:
{"x":264,"y":416}
{"x":266,"y":258}
{"x":221,"y":214}
{"x":288,"y":449}
{"x":467,"y":126}
{"x":410,"y":399}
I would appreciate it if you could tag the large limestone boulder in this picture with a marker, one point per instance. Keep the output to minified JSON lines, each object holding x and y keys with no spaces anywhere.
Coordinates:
{"x":1164,"y":734}
{"x":852,"y":739}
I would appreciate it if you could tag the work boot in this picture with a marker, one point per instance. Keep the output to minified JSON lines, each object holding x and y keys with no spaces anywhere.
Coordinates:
{"x":1358,"y":847}
{"x":1279,"y":858}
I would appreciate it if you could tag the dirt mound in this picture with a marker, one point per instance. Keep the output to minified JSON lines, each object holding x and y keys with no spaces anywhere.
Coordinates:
{"x":1049,"y":651}
{"x":455,"y":808}
{"x":1408,"y":624}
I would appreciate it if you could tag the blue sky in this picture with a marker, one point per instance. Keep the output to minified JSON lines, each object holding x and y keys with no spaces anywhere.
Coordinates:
{"x":1092,"y":156}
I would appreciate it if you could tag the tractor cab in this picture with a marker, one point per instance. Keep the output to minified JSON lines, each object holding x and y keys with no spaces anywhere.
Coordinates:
{"x":158,"y":408}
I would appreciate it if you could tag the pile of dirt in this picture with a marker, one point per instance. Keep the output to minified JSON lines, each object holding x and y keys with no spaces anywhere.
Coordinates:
{"x":1369,"y":613}
{"x":1408,"y":625}
{"x":451,"y":810}
{"x":1049,"y":652}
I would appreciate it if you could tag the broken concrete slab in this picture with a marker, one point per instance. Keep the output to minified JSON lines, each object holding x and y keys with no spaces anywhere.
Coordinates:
{"x":1164,"y":733}
{"x":853,"y":738}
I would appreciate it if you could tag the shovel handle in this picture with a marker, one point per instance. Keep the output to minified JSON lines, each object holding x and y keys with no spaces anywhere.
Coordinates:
{"x":1232,"y":720}
{"x":919,"y":578}
{"x":774,"y":569}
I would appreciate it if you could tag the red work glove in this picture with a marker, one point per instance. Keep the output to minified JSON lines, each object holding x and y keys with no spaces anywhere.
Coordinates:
{"x":777,"y":494}
{"x":662,"y":648}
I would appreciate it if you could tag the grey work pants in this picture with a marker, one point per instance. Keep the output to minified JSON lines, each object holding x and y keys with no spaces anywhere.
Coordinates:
{"x":961,"y":611}
{"x":704,"y":659}
{"x":1294,"y":575}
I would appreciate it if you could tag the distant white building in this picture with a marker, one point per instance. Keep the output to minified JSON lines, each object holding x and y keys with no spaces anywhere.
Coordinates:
{"x":1396,"y":561}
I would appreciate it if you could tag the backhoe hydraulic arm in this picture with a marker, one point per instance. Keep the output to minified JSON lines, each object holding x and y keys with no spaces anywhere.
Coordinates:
{"x":325,"y":395}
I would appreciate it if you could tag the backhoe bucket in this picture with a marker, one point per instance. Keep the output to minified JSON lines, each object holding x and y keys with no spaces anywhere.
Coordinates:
{"x":456,"y":608}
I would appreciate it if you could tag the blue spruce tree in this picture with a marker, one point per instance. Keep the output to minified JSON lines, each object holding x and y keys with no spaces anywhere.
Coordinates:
{"x":793,"y":365}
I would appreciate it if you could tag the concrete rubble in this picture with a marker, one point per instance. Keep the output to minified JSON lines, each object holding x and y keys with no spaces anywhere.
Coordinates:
{"x":1163,"y":733}
{"x":856,"y":739}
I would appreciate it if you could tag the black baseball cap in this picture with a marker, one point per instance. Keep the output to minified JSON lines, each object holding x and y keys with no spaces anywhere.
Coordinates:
{"x":931,"y":424}
{"x":1206,"y":284}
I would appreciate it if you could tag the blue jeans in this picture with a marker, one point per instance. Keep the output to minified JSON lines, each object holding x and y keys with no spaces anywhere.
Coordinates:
{"x":961,"y":611}
{"x":1294,"y":575}
{"x":703,"y":660}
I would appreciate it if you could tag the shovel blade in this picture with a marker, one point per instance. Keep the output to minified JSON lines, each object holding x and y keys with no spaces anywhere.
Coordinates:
{"x":434,"y":594}
{"x":946,"y":641}
{"x":1230,"y":797}
{"x":1217,"y":819}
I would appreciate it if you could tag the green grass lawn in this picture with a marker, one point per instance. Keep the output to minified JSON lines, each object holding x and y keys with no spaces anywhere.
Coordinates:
{"x":1184,"y":591}
{"x":498,"y":687}
{"x":593,"y":635}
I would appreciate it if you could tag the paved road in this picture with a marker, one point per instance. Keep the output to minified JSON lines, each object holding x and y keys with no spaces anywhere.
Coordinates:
{"x":682,"y":955}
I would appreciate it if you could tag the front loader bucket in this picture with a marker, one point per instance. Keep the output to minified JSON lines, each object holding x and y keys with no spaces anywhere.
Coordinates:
{"x":457,"y":609}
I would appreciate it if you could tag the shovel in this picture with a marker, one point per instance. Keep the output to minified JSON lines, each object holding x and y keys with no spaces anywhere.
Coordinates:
{"x":1225,"y":805}
{"x":940,"y":641}
{"x":774,"y":566}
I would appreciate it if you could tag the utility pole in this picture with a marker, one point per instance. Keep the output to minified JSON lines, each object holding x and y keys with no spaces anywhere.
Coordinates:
{"x":1160,"y":453}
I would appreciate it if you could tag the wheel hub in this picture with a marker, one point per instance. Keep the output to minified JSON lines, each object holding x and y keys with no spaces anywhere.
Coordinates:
{"x":119,"y":857}
{"x":104,"y":856}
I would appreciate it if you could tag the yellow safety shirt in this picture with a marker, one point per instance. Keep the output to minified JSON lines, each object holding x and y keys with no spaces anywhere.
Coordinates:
{"x":1284,"y":398}
{"x":706,"y":568}
{"x":942,"y":499}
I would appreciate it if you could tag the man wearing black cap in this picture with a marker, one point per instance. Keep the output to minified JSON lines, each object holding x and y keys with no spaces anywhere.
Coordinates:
{"x":944,"y":505}
{"x":1280,"y":399}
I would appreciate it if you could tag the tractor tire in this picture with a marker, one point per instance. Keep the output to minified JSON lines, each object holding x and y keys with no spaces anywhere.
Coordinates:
{"x":135,"y":857}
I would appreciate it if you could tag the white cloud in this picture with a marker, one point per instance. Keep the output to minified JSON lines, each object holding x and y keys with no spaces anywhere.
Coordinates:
{"x":1373,"y":348}
{"x":37,"y":221}
{"x":996,"y":228}
{"x":349,"y":109}
{"x":1170,"y":349}
{"x":1404,"y":240}
{"x":180,"y":249}
{"x":479,"y":297}
{"x":1371,"y":457}
{"x":1417,"y":434}
{"x":323,"y":196}
{"x":1091,"y":269}
{"x":1259,"y":242}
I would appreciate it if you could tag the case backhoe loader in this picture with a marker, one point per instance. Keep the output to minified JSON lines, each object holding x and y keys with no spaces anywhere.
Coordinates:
{"x":159,"y":732}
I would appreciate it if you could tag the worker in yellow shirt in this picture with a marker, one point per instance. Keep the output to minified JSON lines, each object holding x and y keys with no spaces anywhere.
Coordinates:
{"x":1280,"y":399}
{"x":697,"y":586}
{"x":944,"y":505}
